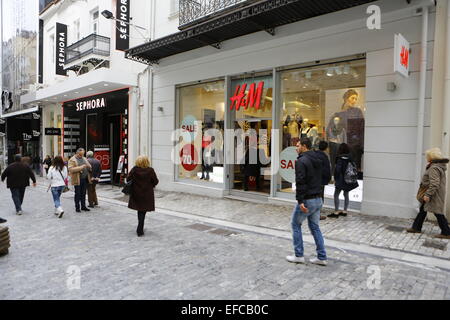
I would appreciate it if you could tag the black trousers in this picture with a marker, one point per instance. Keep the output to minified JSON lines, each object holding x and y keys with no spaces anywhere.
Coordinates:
{"x":141,"y":221}
{"x":80,"y":194}
{"x":17,"y":195}
{"x":442,"y":221}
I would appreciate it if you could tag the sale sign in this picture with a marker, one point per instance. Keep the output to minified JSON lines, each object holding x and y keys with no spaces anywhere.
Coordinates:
{"x":189,"y":157}
{"x":402,"y":59}
{"x":287,"y":164}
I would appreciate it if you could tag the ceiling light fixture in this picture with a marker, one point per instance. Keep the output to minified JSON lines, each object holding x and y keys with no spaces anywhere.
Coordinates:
{"x":330,"y":72}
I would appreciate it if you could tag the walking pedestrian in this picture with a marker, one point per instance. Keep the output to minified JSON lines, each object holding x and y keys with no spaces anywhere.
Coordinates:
{"x":79,"y":175}
{"x":47,"y":163}
{"x":96,"y":172}
{"x":308,"y":177}
{"x":58,"y":176}
{"x":431,"y":193}
{"x":326,"y":169}
{"x":18,"y":176}
{"x":342,"y":183}
{"x":142,"y":196}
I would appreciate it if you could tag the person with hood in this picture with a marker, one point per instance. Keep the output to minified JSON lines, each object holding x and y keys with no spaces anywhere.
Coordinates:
{"x":326,"y":169}
{"x":18,"y":177}
{"x":343,"y":160}
{"x":308,"y":176}
{"x":142,"y":195}
{"x":432,"y":193}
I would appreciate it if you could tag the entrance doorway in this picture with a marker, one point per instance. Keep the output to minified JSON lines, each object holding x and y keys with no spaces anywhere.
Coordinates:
{"x":250,"y":115}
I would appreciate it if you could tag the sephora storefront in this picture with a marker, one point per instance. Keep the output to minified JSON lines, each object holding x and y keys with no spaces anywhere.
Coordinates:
{"x":100,"y":124}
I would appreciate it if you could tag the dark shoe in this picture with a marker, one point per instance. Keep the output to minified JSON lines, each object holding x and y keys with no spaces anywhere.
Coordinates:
{"x":91,"y":206}
{"x":85,"y":209}
{"x":323,"y":218}
{"x":3,"y":220}
{"x":335,"y":216}
{"x":411,"y":230}
{"x":442,"y":236}
{"x":78,"y":210}
{"x":342,"y":214}
{"x":140,"y":233}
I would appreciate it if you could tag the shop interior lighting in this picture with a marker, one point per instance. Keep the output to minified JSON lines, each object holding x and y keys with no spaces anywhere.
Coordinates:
{"x":308,"y":74}
{"x":346,"y":69}
{"x":330,"y":72}
{"x":338,"y":70}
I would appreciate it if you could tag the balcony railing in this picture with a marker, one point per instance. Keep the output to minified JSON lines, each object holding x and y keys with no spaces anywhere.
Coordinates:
{"x":92,"y":44}
{"x":195,"y":10}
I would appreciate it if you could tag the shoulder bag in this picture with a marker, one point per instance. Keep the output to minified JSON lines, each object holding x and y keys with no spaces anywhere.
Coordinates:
{"x":127,"y":188}
{"x":66,"y":187}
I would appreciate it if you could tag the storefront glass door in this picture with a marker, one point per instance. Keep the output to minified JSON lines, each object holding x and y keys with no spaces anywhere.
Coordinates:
{"x":250,"y":108}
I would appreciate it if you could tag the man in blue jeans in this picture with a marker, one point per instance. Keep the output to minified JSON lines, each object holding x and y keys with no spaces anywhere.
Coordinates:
{"x":308,"y":176}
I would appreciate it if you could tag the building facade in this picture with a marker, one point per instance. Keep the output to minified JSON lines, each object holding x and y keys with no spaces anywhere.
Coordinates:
{"x":290,"y":69}
{"x":90,"y":95}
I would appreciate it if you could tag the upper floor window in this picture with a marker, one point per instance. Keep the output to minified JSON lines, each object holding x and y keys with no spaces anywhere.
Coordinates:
{"x":94,"y":19}
{"x":52,"y":47}
{"x":76,"y":30}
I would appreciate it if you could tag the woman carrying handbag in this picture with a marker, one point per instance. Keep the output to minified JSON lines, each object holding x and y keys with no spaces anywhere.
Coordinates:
{"x":58,"y":176}
{"x":431,"y":194}
{"x":141,"y":190}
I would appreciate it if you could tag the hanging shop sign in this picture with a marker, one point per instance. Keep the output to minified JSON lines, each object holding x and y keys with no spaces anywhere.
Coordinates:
{"x":402,"y":59}
{"x":61,"y":45}
{"x":52,"y":131}
{"x":250,"y":99}
{"x":287,"y":164}
{"x":123,"y":25}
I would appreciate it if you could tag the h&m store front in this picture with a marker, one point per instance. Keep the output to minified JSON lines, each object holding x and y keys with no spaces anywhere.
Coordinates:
{"x":328,"y":78}
{"x":99,"y":123}
{"x":270,"y":111}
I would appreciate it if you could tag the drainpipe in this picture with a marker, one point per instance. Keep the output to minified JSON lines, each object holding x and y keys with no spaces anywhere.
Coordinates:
{"x":422,"y":93}
{"x":446,"y":112}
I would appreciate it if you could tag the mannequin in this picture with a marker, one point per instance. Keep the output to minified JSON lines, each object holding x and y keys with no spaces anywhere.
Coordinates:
{"x":293,"y":130}
{"x":336,"y":135}
{"x":306,"y":128}
{"x":313,"y":135}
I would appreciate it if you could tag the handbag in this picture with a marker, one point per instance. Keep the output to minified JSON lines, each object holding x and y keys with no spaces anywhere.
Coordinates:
{"x":421,"y":192}
{"x":127,"y":188}
{"x":66,"y":187}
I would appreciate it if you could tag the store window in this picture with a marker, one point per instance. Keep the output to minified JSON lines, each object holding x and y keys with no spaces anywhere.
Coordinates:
{"x":202,"y":115}
{"x":323,"y":103}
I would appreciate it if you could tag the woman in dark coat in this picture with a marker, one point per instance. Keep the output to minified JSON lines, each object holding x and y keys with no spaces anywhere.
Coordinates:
{"x":342,"y":160}
{"x":142,"y":196}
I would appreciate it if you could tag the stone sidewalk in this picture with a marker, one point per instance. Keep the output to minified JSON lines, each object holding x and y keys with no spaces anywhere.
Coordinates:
{"x":381,"y":232}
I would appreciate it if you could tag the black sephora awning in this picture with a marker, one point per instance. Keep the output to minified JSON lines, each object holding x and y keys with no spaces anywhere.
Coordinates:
{"x":263,"y":15}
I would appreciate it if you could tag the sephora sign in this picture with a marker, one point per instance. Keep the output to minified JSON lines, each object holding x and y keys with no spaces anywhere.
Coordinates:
{"x":61,"y":45}
{"x":123,"y":25}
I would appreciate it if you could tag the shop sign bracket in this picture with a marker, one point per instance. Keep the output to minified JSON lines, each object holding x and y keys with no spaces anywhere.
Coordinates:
{"x":209,"y":41}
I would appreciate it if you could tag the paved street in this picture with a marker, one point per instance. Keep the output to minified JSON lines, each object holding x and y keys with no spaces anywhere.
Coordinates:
{"x":183,"y":259}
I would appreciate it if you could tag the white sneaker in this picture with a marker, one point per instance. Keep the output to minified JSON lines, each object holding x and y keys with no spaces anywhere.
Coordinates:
{"x":318,"y":262}
{"x":19,"y":213}
{"x":56,"y":211}
{"x":60,"y":212}
{"x":295,"y":259}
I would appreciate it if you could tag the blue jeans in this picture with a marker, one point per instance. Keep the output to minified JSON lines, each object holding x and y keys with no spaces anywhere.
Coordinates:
{"x":17,"y":195}
{"x":56,"y":193}
{"x":298,"y":217}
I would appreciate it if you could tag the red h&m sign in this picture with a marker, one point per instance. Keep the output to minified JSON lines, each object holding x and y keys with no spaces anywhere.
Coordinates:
{"x":401,"y":56}
{"x":253,"y":99}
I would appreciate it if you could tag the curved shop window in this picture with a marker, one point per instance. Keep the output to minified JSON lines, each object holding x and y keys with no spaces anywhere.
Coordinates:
{"x":324,"y":103}
{"x":201,"y":125}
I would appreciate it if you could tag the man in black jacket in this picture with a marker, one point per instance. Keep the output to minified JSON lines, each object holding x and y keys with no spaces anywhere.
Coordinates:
{"x":308,"y":176}
{"x":326,"y":169}
{"x":18,"y":175}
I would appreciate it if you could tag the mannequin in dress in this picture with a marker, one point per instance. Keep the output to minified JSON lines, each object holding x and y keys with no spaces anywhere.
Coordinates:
{"x":313,"y":135}
{"x":293,"y":130}
{"x":336,"y":135}
{"x":306,"y":128}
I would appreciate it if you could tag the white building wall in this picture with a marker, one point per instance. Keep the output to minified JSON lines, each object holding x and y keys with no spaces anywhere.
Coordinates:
{"x":391,"y":118}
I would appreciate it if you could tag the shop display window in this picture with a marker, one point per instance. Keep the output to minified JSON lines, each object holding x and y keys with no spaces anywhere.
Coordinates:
{"x":201,"y":147}
{"x":323,"y":103}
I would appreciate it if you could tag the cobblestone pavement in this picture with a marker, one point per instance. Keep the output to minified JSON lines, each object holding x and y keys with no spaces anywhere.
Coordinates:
{"x":182,"y":259}
{"x":356,"y":228}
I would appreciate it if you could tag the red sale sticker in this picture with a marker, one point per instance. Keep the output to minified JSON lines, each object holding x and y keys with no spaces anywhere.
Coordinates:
{"x":189,"y":157}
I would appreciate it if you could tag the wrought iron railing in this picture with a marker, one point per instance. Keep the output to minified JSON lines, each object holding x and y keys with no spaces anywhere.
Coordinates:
{"x":92,"y":44}
{"x":194,"y":10}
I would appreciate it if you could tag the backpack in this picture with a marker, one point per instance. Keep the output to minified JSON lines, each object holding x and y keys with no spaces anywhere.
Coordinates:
{"x":351,"y":174}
